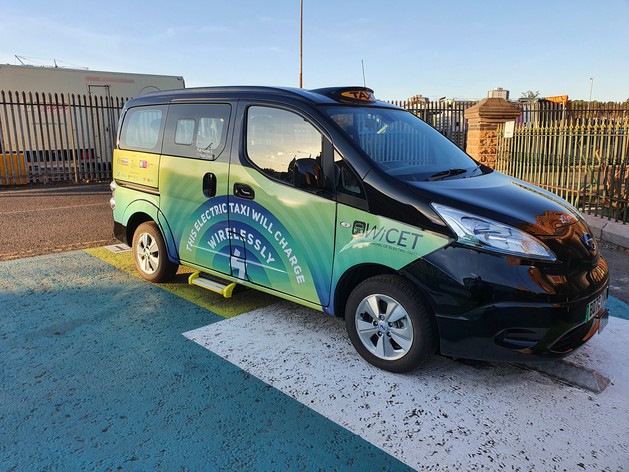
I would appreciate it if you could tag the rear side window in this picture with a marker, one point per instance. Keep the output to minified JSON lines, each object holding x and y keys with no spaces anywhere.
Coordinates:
{"x":196,"y":130}
{"x":141,"y":129}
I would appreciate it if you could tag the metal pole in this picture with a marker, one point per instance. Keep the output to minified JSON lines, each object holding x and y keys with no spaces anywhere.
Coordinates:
{"x":362,"y":63}
{"x":591,"y":85}
{"x":301,"y":42}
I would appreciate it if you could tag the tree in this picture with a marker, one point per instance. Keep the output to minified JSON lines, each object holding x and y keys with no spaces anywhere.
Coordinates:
{"x":530,"y":95}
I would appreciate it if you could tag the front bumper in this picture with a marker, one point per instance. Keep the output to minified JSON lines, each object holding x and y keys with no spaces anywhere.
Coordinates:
{"x":491,"y":307}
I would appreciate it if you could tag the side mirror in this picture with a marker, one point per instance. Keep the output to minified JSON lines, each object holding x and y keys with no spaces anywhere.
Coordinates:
{"x":308,"y":174}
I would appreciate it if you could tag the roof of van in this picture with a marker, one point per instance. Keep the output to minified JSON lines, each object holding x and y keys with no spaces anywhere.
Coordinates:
{"x":331,"y":95}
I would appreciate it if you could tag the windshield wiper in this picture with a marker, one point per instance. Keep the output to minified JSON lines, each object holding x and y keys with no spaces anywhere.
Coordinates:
{"x":446,"y":173}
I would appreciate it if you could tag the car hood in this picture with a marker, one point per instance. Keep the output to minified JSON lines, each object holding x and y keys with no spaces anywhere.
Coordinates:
{"x":504,"y":199}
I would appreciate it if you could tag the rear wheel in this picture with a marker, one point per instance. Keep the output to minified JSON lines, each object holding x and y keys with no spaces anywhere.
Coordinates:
{"x":389,"y":323}
{"x":150,"y":255}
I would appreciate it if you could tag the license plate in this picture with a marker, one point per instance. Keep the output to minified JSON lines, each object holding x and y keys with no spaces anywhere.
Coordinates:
{"x":596,"y":305}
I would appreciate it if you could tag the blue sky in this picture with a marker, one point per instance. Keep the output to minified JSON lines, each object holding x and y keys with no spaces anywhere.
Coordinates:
{"x":457,"y":49}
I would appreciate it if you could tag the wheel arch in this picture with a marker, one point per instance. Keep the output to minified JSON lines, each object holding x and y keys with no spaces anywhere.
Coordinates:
{"x":134,"y":221}
{"x":351,"y":278}
{"x":141,"y":211}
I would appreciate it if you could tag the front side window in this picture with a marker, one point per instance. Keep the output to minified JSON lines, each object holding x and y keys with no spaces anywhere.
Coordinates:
{"x":277,"y":139}
{"x":402,"y":145}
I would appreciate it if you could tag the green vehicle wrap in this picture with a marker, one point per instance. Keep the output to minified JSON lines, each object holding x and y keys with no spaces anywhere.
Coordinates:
{"x":288,"y":240}
{"x":293,"y":242}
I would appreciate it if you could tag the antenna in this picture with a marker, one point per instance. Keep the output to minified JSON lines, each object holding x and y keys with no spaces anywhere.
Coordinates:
{"x":362,"y":63}
{"x":29,"y":61}
{"x":301,"y":43}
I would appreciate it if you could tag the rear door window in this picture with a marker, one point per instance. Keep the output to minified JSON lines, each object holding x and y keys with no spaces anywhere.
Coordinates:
{"x":196,"y":130}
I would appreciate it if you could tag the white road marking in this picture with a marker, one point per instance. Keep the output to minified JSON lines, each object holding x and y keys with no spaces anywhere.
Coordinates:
{"x":448,"y":416}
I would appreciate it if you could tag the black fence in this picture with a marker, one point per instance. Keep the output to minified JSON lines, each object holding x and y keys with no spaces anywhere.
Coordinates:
{"x":446,"y":116}
{"x":56,"y":137}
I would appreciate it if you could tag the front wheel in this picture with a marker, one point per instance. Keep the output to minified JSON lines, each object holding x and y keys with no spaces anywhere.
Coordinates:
{"x":389,"y":323}
{"x":149,"y":254}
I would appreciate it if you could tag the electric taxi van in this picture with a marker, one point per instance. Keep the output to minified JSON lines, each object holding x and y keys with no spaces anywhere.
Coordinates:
{"x":355,"y":207}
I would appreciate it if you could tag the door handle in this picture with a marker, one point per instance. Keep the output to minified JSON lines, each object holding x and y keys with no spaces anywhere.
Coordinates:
{"x":244,"y":191}
{"x":209,"y":185}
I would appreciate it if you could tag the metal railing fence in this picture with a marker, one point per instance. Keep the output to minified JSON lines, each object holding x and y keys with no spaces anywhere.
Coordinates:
{"x":446,"y":116}
{"x":582,"y":160}
{"x":544,"y":112}
{"x":49,"y":137}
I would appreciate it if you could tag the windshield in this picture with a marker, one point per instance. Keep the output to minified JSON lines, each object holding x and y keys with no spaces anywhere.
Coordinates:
{"x":402,"y":145}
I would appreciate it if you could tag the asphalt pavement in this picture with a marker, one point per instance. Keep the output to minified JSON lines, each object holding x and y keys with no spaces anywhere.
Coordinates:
{"x":43,"y":220}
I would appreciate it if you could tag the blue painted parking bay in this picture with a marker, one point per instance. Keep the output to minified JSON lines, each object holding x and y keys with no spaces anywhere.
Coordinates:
{"x":100,"y":370}
{"x":95,"y":375}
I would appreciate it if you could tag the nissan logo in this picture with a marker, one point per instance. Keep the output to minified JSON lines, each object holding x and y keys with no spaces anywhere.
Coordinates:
{"x":589,"y":242}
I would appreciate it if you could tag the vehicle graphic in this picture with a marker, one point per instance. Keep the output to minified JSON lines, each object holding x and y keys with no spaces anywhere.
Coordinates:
{"x":352,"y":206}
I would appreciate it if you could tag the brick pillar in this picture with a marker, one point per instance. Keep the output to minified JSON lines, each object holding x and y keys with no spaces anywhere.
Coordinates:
{"x":482,"y":124}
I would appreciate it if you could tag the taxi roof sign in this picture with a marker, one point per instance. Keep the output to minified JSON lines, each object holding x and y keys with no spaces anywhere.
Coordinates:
{"x":362,"y":95}
{"x":349,"y":94}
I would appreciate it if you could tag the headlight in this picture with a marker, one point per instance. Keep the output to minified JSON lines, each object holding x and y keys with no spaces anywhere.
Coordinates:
{"x":483,"y":233}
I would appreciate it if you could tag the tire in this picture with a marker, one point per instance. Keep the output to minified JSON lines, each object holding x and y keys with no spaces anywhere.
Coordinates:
{"x":389,"y":324}
{"x":150,"y":255}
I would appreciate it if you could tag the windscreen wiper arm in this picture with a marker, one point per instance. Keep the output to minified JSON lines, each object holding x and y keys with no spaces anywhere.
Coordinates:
{"x":447,"y":173}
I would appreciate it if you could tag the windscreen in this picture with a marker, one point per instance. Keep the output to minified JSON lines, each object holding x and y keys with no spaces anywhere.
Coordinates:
{"x":402,"y":145}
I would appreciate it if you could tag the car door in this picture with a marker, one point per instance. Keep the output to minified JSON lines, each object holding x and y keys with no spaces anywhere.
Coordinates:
{"x":281,"y":226}
{"x":194,"y":181}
